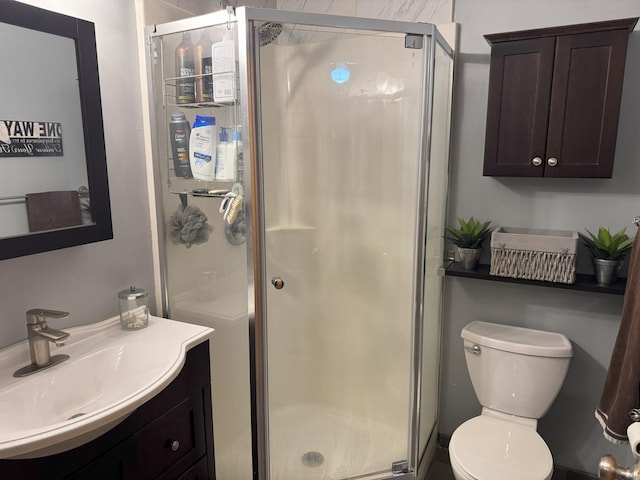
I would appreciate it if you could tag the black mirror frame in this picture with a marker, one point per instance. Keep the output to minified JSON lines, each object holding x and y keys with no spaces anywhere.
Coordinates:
{"x":83,"y":34}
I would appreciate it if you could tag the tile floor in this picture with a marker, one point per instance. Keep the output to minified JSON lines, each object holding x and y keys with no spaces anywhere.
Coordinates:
{"x":440,"y":468}
{"x":440,"y":471}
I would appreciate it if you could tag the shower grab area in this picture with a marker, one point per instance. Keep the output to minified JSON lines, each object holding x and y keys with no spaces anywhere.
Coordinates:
{"x":323,"y":291}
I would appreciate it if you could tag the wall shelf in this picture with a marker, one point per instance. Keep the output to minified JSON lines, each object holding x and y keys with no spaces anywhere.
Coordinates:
{"x":586,"y":283}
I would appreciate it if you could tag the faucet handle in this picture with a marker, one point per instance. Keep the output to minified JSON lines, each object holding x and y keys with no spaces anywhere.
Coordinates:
{"x":37,"y":315}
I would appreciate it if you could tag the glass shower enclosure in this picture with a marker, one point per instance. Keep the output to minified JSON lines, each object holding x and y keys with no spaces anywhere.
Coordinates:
{"x":316,"y":260}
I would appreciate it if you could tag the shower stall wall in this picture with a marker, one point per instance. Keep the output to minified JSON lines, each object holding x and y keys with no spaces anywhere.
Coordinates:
{"x":320,"y":274}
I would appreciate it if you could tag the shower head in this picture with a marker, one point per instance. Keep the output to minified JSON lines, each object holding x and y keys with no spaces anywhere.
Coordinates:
{"x":269,"y":32}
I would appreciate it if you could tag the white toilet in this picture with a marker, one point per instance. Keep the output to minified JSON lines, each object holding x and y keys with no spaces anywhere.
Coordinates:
{"x":516,"y":374}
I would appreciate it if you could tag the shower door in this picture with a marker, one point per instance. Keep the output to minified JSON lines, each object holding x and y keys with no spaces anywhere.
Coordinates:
{"x":341,"y":240}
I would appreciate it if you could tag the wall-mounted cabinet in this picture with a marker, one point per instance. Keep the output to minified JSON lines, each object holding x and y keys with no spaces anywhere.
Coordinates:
{"x":554,"y":100}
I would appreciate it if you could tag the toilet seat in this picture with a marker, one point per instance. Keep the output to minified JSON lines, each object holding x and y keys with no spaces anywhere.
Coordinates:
{"x":486,"y":448}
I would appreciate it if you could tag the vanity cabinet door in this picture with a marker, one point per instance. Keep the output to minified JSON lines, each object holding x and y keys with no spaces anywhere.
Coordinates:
{"x":163,"y":450}
{"x":110,"y":466}
{"x":171,"y":444}
{"x":199,"y":471}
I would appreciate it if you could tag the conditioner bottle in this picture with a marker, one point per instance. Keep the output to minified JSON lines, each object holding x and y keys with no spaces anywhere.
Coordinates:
{"x":224,"y":69}
{"x":226,"y":160}
{"x":221,"y":154}
{"x":234,"y":154}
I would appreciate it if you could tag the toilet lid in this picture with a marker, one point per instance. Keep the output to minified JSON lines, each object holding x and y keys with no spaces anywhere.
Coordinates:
{"x":490,"y":448}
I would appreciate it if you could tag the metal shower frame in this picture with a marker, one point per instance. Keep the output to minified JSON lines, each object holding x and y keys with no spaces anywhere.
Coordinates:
{"x":248,"y":21}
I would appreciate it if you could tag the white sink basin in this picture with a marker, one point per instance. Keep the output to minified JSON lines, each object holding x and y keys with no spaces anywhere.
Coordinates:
{"x":109,"y":374}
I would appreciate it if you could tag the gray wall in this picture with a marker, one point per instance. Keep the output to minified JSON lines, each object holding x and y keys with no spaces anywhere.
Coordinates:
{"x":590,"y":320}
{"x":85,"y":279}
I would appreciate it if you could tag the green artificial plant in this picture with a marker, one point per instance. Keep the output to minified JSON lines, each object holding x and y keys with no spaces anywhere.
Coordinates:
{"x":606,"y":246}
{"x":470,"y":234}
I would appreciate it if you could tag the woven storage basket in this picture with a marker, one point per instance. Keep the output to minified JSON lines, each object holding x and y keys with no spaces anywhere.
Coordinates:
{"x":547,"y":255}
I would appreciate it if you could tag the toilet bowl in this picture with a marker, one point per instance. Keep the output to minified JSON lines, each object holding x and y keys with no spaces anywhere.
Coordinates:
{"x":516,"y":374}
{"x":490,"y":448}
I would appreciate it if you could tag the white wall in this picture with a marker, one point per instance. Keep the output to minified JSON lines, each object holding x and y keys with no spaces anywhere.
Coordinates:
{"x":590,"y":320}
{"x":431,"y":11}
{"x":84,"y":280}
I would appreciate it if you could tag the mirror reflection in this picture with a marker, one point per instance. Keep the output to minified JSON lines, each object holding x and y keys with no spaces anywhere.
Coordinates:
{"x":43,"y":174}
{"x":54,"y":190}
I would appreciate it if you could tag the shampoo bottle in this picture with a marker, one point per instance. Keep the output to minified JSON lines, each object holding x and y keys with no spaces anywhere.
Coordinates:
{"x":185,"y":85}
{"x":202,"y":147}
{"x":221,"y":156}
{"x":203,"y":68}
{"x":224,"y":68}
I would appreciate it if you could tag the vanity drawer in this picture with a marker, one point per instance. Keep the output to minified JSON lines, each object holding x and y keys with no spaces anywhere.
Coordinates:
{"x":172,"y":443}
{"x":200,"y":471}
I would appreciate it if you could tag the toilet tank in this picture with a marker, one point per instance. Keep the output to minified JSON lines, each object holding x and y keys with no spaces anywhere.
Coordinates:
{"x":515,"y":370}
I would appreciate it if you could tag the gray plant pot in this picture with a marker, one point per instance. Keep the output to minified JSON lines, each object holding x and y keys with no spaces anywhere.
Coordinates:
{"x":606,"y":270}
{"x":469,"y":257}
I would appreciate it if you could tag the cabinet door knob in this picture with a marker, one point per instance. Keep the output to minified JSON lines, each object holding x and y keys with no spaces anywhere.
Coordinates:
{"x":537,"y":161}
{"x":552,"y":162}
{"x":277,"y":282}
{"x":174,"y":445}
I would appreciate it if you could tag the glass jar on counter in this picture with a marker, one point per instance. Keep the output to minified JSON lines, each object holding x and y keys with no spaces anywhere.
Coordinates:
{"x":134,"y":308}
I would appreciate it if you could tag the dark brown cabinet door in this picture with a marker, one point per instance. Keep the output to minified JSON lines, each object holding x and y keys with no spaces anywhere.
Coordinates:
{"x":554,"y":100}
{"x":518,"y":110}
{"x":585,"y":101}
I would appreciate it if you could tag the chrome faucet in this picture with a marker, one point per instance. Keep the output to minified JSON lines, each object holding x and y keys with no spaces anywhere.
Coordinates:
{"x":39,"y":335}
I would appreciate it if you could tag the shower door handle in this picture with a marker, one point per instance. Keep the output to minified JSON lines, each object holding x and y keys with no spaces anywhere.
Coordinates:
{"x":277,"y":282}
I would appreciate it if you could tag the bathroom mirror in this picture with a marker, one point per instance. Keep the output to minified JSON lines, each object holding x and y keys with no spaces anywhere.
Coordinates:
{"x":53,"y":173}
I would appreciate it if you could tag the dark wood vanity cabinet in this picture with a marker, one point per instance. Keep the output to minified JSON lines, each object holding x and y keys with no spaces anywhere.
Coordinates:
{"x":168,"y":438}
{"x":554,"y":100}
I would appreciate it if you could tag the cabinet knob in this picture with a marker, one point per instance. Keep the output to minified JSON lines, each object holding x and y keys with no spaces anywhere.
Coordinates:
{"x":174,"y":445}
{"x":537,"y":161}
{"x":552,"y":162}
{"x":277,"y":282}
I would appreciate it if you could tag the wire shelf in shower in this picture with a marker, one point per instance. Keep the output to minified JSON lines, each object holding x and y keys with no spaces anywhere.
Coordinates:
{"x":171,"y":83}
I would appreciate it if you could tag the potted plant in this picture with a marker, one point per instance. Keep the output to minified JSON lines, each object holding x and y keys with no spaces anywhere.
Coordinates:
{"x":608,"y":251}
{"x":469,"y":237}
